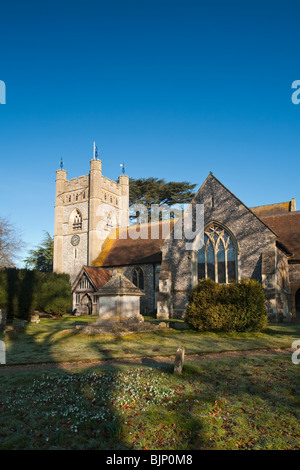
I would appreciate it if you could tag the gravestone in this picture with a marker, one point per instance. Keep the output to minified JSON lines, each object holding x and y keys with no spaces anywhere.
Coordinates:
{"x":19,"y":325}
{"x":2,"y":353}
{"x":34,"y":318}
{"x":179,"y":360}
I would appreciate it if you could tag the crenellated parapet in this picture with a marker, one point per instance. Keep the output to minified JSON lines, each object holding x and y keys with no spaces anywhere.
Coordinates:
{"x":73,"y":190}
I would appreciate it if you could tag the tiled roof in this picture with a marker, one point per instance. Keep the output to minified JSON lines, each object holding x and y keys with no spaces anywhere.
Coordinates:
{"x":287,"y":227}
{"x":123,"y":249}
{"x":99,"y":277}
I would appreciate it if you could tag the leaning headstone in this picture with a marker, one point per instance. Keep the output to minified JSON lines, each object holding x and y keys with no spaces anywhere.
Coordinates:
{"x":19,"y":325}
{"x":179,"y":360}
{"x":2,"y":320}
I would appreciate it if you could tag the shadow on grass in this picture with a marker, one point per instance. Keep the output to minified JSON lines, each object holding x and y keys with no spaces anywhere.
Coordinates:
{"x":283,"y":329}
{"x":47,"y":423}
{"x":169,"y":425}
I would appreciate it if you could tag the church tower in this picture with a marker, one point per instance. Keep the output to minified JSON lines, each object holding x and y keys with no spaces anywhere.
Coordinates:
{"x":86,"y":210}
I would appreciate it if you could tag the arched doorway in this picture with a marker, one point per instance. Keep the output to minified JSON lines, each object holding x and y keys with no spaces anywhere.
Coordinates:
{"x":297,"y":303}
{"x":86,"y":305}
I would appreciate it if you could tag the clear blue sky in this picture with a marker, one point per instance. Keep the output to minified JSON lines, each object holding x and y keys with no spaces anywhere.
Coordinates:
{"x":174,"y":88}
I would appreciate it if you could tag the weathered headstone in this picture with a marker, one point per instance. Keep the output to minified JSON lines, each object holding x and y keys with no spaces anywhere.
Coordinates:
{"x":2,"y":353}
{"x":2,"y":320}
{"x":19,"y":325}
{"x":179,"y":361}
{"x":34,"y":318}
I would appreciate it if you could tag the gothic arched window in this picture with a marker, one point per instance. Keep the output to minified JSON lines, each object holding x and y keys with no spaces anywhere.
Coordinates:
{"x":77,"y":220}
{"x":137,"y":277}
{"x":217,"y":257}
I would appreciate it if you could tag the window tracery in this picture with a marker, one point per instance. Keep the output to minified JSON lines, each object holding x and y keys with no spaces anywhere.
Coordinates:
{"x":217,"y":259}
{"x":77,"y":220}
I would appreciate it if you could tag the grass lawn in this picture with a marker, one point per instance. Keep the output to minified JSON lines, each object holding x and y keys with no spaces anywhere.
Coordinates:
{"x":244,"y":402}
{"x":58,"y":341}
{"x":226,"y":403}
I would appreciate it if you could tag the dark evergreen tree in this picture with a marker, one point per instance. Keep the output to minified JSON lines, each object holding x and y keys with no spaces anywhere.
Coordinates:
{"x":41,"y":258}
{"x":149,"y":191}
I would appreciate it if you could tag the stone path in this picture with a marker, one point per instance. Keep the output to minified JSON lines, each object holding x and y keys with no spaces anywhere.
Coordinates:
{"x":153,"y":360}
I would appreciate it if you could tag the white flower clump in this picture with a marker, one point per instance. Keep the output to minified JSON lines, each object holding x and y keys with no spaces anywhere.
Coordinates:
{"x":81,"y":398}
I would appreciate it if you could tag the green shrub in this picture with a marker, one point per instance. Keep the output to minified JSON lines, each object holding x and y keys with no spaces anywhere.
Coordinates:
{"x":54,"y":294}
{"x":23,"y":291}
{"x":3,"y":290}
{"x":227,"y":307}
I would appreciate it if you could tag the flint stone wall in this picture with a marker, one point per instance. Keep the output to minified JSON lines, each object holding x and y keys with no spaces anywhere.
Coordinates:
{"x":252,"y":236}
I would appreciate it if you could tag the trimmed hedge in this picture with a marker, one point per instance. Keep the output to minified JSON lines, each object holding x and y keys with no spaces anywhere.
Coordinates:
{"x":23,"y":291}
{"x":227,"y":307}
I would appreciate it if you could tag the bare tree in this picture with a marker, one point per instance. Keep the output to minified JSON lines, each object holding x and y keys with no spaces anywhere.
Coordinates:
{"x":11,"y":243}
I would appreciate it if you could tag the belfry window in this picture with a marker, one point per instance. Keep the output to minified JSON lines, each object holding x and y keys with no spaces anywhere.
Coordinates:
{"x":138,"y":278}
{"x":77,"y":220}
{"x":217,"y":257}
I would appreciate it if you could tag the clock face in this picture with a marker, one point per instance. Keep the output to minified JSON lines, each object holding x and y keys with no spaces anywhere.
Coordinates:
{"x":75,"y":240}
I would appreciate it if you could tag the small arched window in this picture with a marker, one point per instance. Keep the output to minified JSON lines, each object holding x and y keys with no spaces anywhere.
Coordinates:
{"x":138,"y":278}
{"x":77,"y":220}
{"x":217,"y":257}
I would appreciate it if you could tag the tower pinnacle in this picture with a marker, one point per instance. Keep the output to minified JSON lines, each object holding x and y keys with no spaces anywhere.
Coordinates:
{"x":95,"y":152}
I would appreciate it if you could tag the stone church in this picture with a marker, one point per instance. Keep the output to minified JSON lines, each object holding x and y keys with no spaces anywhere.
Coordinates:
{"x":93,"y":238}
